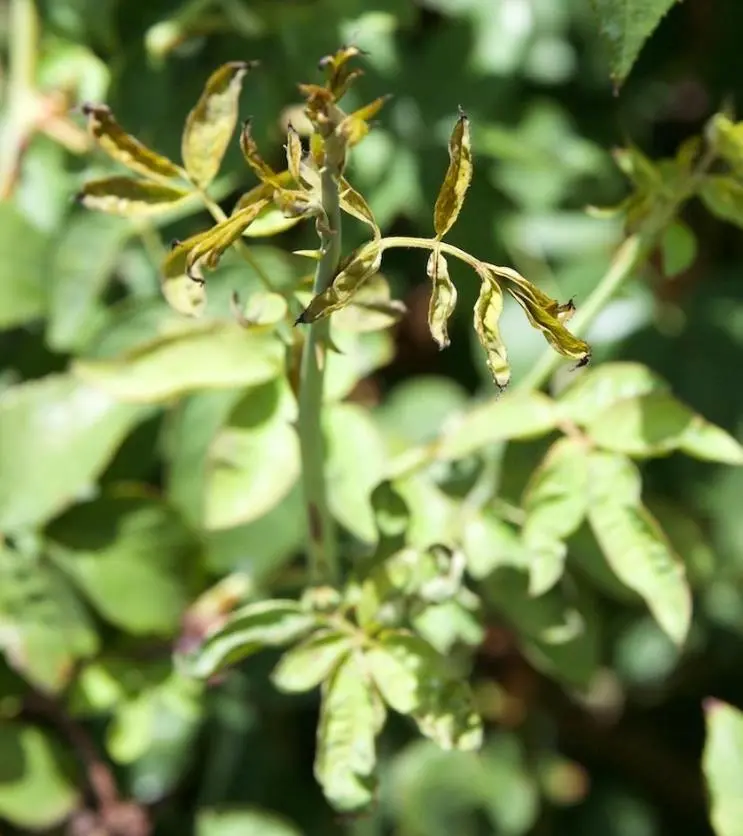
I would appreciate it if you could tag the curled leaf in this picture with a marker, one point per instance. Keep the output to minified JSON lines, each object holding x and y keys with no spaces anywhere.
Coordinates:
{"x":443,"y":298}
{"x":340,"y":74}
{"x":210,"y":125}
{"x":354,"y":204}
{"x":253,"y":158}
{"x":488,"y":309}
{"x":128,"y":197}
{"x":360,"y":266}
{"x":293,"y":153}
{"x":209,"y":248}
{"x":354,"y":127}
{"x":457,"y":180}
{"x":123,"y":147}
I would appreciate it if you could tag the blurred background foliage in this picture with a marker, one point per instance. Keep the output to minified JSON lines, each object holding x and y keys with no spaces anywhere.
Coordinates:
{"x":106,"y":547}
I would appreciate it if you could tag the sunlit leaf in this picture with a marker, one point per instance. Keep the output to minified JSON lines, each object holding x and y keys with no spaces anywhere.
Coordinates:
{"x":625,"y":26}
{"x":443,"y":298}
{"x":727,"y":138}
{"x":125,"y":148}
{"x":457,"y":179}
{"x":354,"y":204}
{"x":722,"y":764}
{"x":723,"y":196}
{"x":634,"y":545}
{"x":272,"y":623}
{"x":242,"y":821}
{"x":310,"y":663}
{"x":355,"y":126}
{"x":128,"y":197}
{"x":210,"y":125}
{"x":346,"y":755}
{"x":488,"y":308}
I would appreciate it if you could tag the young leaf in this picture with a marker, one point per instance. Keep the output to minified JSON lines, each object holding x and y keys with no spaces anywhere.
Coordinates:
{"x":488,"y":309}
{"x":360,"y":266}
{"x":128,"y":197}
{"x":634,"y":545}
{"x":723,"y":196}
{"x":457,"y":180}
{"x":443,"y":298}
{"x":354,"y":127}
{"x":346,"y":755}
{"x":555,"y":502}
{"x":340,"y":74}
{"x":263,"y":624}
{"x":125,"y":148}
{"x":210,"y":125}
{"x":722,"y":764}
{"x":678,"y":249}
{"x":310,"y":663}
{"x":625,"y":26}
{"x":727,"y":138}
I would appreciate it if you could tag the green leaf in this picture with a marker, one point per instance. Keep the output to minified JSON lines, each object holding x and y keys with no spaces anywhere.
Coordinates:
{"x":490,"y":543}
{"x":254,"y":460}
{"x":83,"y":261}
{"x":43,"y":626}
{"x":635,"y":546}
{"x":555,"y":502}
{"x":723,"y":196}
{"x":597,"y":389}
{"x":243,"y":821}
{"x":215,"y":356}
{"x":270,"y":221}
{"x":727,"y":139}
{"x":710,"y":443}
{"x":130,"y":198}
{"x":457,"y":179}
{"x":23,"y":273}
{"x":678,"y":248}
{"x":351,"y":478}
{"x":511,"y":416}
{"x":625,"y":25}
{"x":56,"y":437}
{"x":263,"y":624}
{"x":210,"y":125}
{"x":128,"y":556}
{"x":722,"y":764}
{"x":36,"y":793}
{"x":443,"y":298}
{"x":310,"y":663}
{"x":346,"y":755}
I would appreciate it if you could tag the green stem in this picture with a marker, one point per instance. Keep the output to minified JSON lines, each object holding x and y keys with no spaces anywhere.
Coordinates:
{"x":320,"y":526}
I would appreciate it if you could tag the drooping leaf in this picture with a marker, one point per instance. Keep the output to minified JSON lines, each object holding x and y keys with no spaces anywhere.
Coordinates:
{"x":607,"y":384}
{"x":125,"y":148}
{"x":36,"y":791}
{"x":130,"y":198}
{"x":457,"y":179}
{"x":57,"y":435}
{"x":625,"y":26}
{"x":307,"y":665}
{"x":217,"y":356}
{"x":210,"y":125}
{"x":272,"y":623}
{"x":355,"y":205}
{"x":634,"y":545}
{"x":443,"y":298}
{"x":488,"y":309}
{"x":555,"y":504}
{"x":722,"y":764}
{"x":23,"y":250}
{"x":346,"y":754}
{"x":678,"y":248}
{"x":359,"y":267}
{"x":514,"y":415}
{"x":45,"y":628}
{"x":723,"y":196}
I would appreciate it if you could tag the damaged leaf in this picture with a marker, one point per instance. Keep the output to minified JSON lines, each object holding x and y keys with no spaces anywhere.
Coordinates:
{"x":128,"y":197}
{"x":457,"y":180}
{"x":443,"y":298}
{"x":488,"y":309}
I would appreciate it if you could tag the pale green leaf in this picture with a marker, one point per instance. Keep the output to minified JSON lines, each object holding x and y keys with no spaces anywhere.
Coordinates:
{"x":216,"y":356}
{"x":242,"y":821}
{"x":727,"y":139}
{"x":625,"y":25}
{"x":310,"y":663}
{"x":510,"y":416}
{"x":490,"y":543}
{"x":723,"y":196}
{"x":56,"y":437}
{"x":710,"y":443}
{"x":346,"y":755}
{"x":270,"y":221}
{"x":23,"y":273}
{"x":36,"y":791}
{"x":210,"y":125}
{"x":634,"y":545}
{"x":722,"y":764}
{"x":678,"y":248}
{"x":272,"y":623}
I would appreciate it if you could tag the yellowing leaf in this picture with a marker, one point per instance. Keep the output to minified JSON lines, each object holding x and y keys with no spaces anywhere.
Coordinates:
{"x":249,"y":147}
{"x":361,"y":265}
{"x":457,"y":180}
{"x":443,"y":298}
{"x":185,"y":294}
{"x":340,"y":74}
{"x":354,"y":204}
{"x":209,"y":248}
{"x":125,"y":148}
{"x":128,"y":197}
{"x":354,"y":127}
{"x":727,"y":138}
{"x":293,"y":153}
{"x":210,"y":125}
{"x":488,"y":309}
